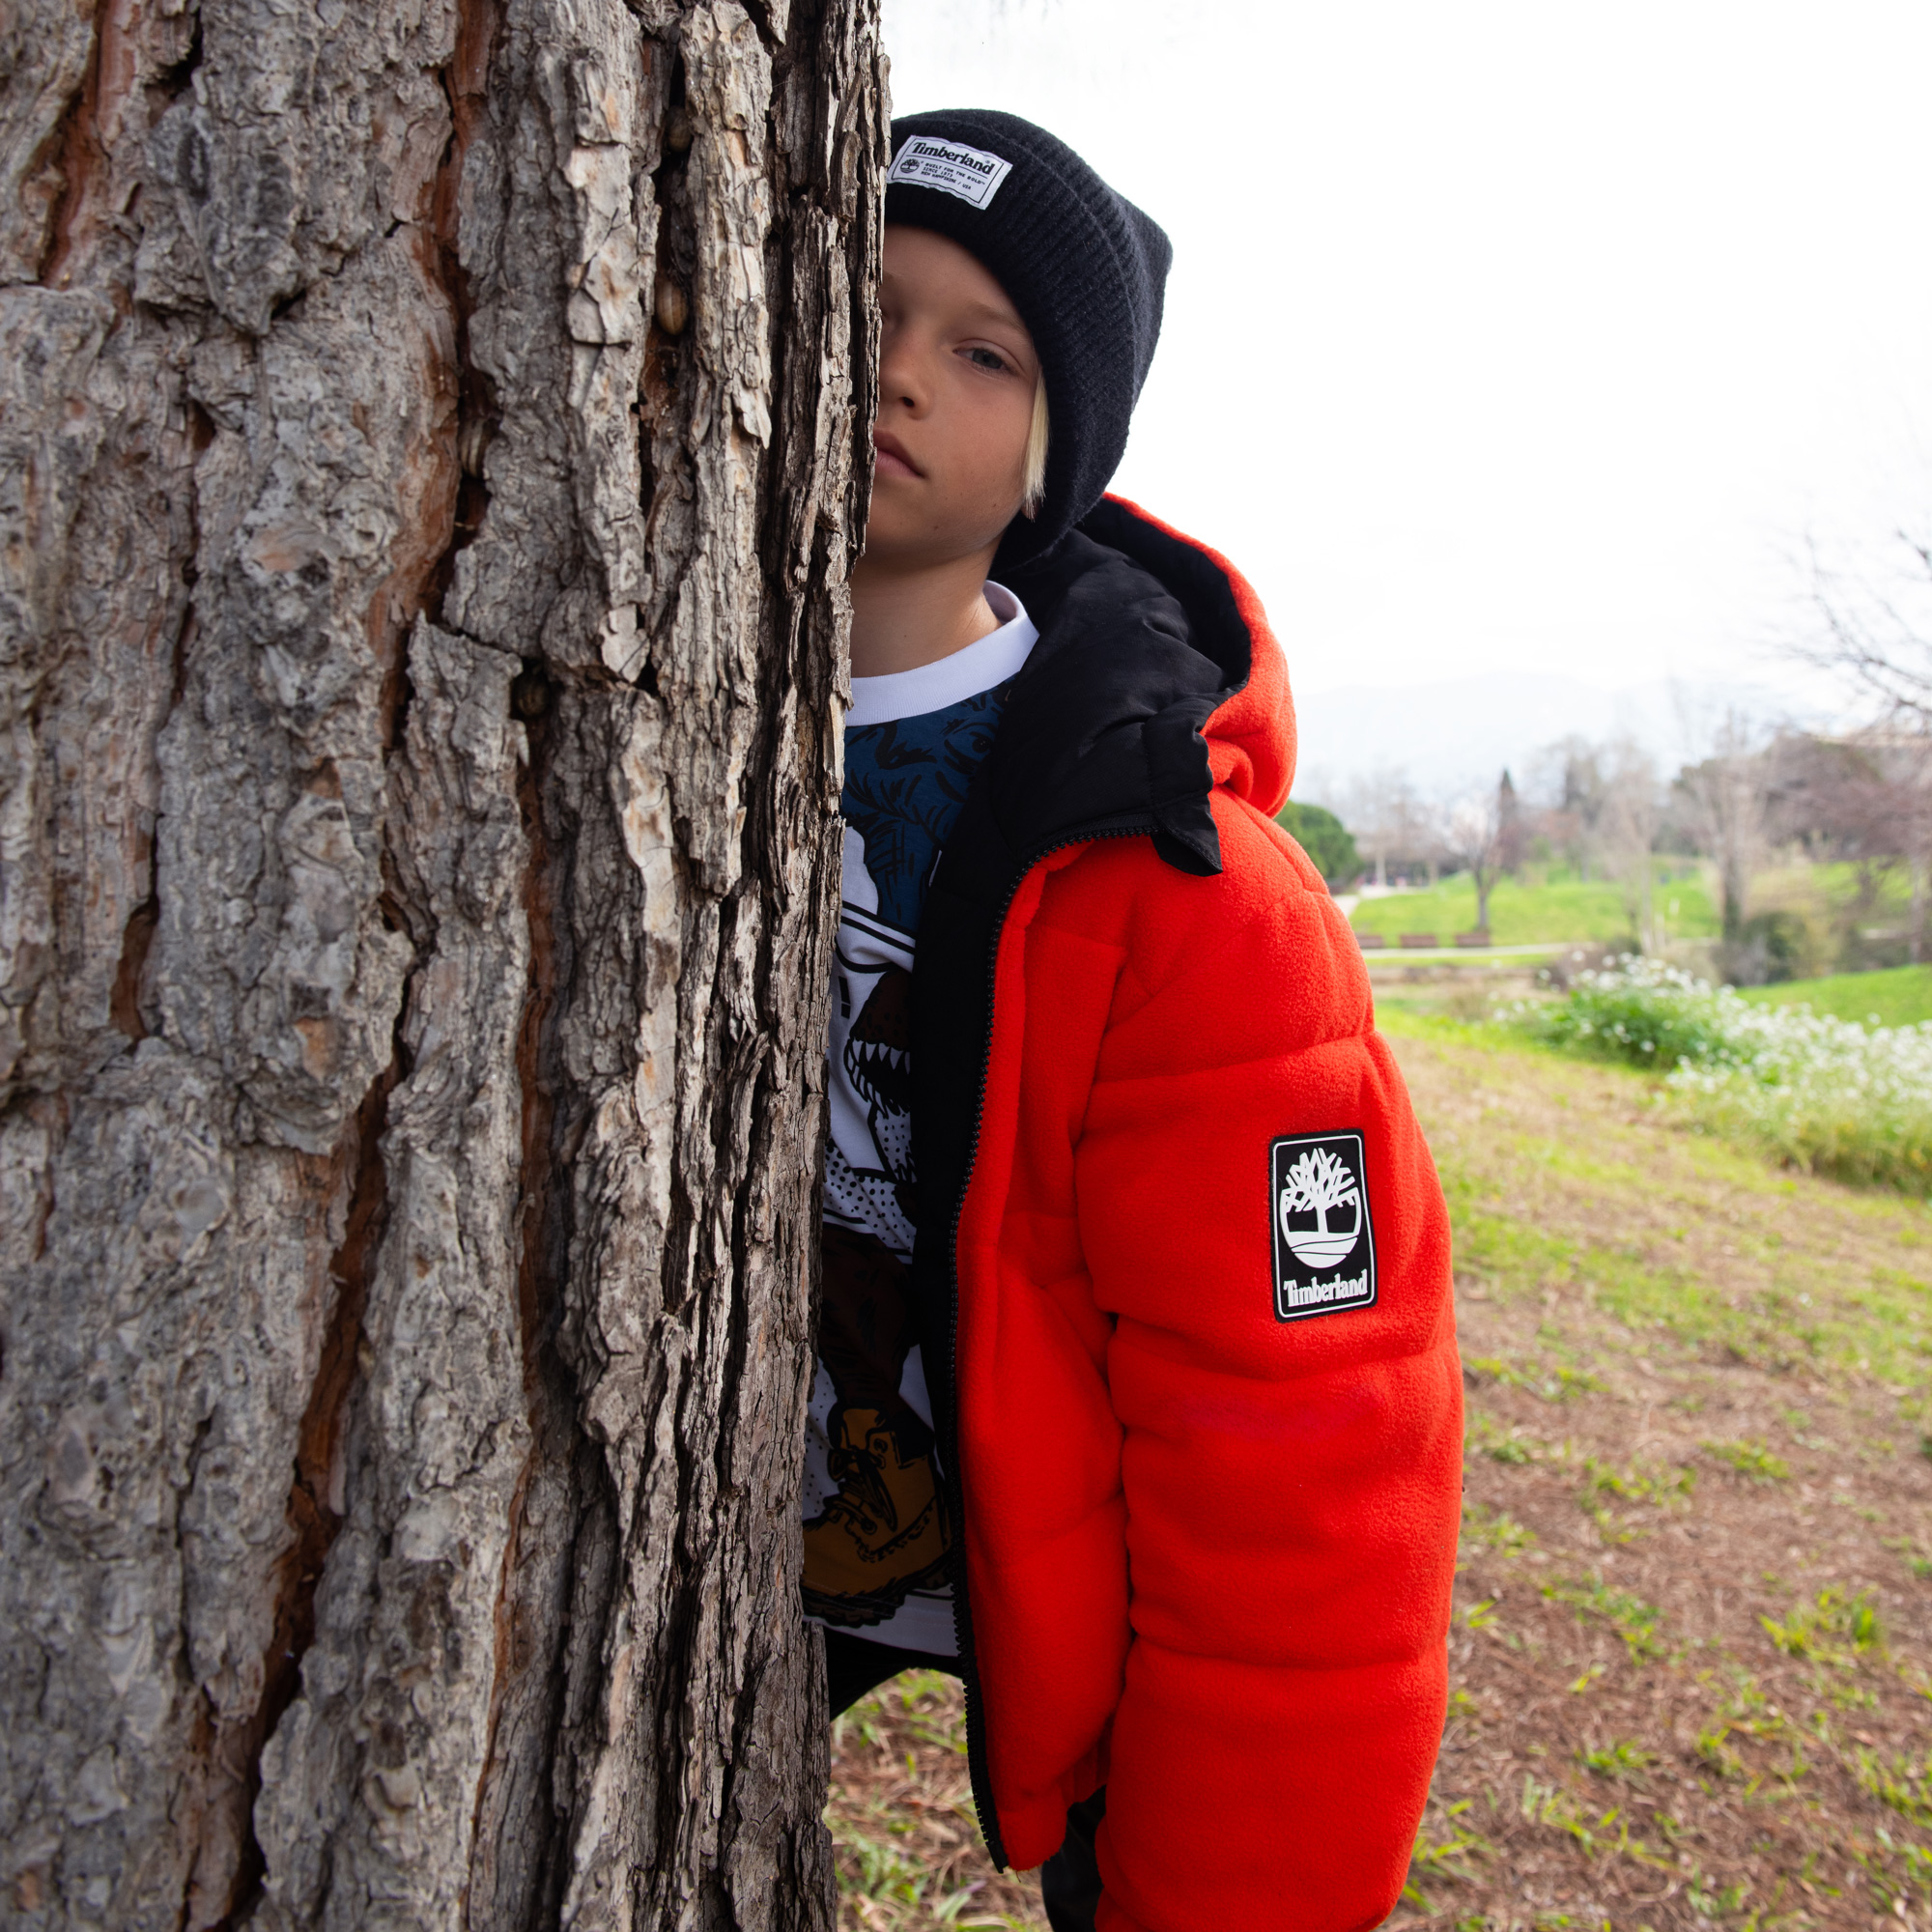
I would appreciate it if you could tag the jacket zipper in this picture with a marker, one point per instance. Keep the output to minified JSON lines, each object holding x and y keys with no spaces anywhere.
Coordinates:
{"x":955,"y":1491}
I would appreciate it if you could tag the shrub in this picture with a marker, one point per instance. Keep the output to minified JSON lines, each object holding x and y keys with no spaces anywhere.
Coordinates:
{"x":1637,"y":1009}
{"x":1822,"y":1093}
{"x":1323,"y":837}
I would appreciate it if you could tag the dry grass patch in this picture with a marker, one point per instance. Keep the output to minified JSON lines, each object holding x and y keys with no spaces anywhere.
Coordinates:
{"x":1693,"y":1622}
{"x":902,"y":1820}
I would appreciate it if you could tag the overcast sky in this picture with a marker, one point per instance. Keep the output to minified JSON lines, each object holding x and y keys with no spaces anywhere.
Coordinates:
{"x":1500,"y":336}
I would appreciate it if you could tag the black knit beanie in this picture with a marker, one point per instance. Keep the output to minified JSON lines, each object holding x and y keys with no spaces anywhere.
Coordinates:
{"x":1084,"y":267}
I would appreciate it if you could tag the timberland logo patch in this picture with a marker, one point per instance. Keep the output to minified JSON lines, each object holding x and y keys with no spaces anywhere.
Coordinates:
{"x":970,"y":173}
{"x":1324,"y":1248}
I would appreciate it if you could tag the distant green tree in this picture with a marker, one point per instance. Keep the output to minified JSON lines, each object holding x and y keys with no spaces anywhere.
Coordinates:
{"x":1323,"y":837}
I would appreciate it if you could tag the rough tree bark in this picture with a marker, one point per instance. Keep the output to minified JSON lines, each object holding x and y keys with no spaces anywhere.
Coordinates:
{"x":428,"y":472}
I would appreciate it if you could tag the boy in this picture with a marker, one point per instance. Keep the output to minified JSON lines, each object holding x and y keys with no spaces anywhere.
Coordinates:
{"x":1137,"y":1404}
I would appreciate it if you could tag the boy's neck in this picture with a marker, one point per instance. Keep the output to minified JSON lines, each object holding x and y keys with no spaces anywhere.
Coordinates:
{"x":902,"y":618}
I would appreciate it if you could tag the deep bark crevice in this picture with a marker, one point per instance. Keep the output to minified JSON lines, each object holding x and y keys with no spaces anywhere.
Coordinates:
{"x":672,"y":1683}
{"x":315,"y":1505}
{"x":760,"y":13}
{"x":542,"y":1224}
{"x":539,"y":1284}
{"x":737,"y":1355}
{"x":506,"y":1660}
{"x":746,"y":1060}
{"x":177,"y":76}
{"x":663,"y":381}
{"x":123,"y":1002}
{"x":479,"y":24}
{"x":77,"y":141}
{"x":137,"y":936}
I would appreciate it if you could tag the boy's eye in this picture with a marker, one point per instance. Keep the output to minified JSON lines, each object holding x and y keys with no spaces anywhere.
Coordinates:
{"x":988,"y":359}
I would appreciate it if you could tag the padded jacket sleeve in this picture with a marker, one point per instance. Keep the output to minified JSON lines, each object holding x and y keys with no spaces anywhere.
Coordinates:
{"x":1292,"y":1487}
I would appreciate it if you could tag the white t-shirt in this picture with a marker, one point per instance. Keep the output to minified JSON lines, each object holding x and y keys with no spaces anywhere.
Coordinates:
{"x":876,"y":1534}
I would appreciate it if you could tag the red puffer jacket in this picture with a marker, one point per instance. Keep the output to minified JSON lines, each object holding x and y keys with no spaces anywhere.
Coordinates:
{"x":1183,"y":1277}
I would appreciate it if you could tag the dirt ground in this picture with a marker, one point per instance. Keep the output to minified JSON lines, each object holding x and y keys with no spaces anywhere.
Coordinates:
{"x":1691,"y":1655}
{"x":902,"y":1819}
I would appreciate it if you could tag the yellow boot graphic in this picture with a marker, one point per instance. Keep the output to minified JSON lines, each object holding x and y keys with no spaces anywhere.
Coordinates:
{"x":883,"y":1535}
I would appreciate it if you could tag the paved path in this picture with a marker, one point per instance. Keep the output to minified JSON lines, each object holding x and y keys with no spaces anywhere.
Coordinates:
{"x":1424,"y":956}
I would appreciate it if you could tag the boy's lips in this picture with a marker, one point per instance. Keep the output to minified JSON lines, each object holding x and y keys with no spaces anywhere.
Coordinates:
{"x":890,"y":458}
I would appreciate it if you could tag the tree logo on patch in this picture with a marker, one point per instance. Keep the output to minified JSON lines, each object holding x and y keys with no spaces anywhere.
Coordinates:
{"x":1324,"y":1248}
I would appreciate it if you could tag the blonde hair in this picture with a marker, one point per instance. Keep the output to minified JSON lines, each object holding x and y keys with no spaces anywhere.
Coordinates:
{"x":1033,"y":486}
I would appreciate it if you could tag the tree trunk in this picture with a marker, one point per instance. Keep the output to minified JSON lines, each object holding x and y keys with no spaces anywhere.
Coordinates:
{"x":430,"y":448}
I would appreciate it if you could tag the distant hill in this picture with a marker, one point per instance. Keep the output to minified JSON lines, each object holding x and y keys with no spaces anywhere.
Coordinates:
{"x":1459,"y":732}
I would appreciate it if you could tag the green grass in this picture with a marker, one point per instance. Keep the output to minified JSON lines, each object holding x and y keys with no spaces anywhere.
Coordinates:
{"x":1901,"y":996}
{"x":1552,"y":905}
{"x":1752,"y":1460}
{"x":1838,"y":1628}
{"x":1529,"y":911}
{"x":1630,"y":1617}
{"x":1835,"y":887}
{"x":1881,"y":1324}
{"x":1499,"y":1530}
{"x":1905,"y":1786}
{"x":1620,"y":1758}
{"x":1884,"y":1325}
{"x":1665,"y":1488}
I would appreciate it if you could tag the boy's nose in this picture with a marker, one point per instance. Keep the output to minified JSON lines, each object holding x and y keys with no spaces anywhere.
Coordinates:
{"x":904,"y":377}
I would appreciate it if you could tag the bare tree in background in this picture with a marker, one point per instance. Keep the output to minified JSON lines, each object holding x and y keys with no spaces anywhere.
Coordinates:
{"x":1473,"y":834}
{"x":1874,"y":628}
{"x":1874,"y":634}
{"x":1361,"y":809}
{"x":1628,"y":826}
{"x":433,"y":442}
{"x":1388,"y":821}
{"x":1727,"y":792}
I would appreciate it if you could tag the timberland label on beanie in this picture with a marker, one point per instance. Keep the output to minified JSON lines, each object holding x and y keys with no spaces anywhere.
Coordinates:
{"x":971,"y":173}
{"x":1324,"y":1249}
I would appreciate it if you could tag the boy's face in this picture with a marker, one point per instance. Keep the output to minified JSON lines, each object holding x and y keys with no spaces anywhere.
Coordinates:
{"x":956,"y":378}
